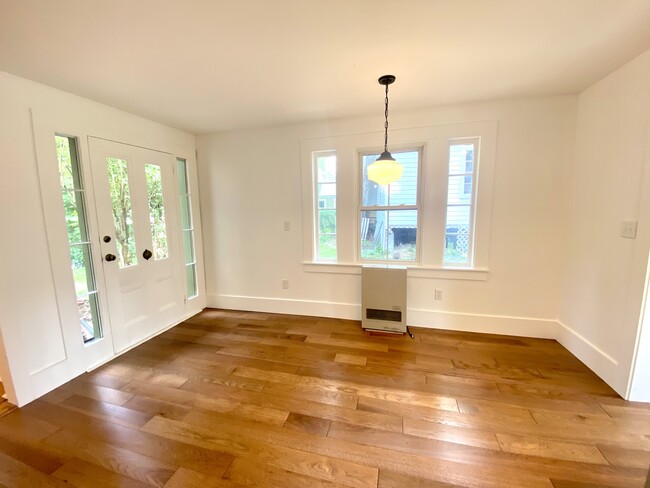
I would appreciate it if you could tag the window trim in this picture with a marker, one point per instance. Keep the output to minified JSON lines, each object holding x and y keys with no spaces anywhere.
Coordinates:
{"x":434,"y":141}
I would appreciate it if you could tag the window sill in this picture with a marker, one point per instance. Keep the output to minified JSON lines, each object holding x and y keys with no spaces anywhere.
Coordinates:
{"x":413,"y":271}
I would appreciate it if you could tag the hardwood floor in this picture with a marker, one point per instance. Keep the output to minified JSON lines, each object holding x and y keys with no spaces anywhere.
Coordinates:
{"x":5,"y":406}
{"x":237,"y":399}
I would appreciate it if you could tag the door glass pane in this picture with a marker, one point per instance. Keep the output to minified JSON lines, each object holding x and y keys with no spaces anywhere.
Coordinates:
{"x":75,"y":216}
{"x":188,"y":231}
{"x":186,"y":215}
{"x":73,"y":197}
{"x":122,"y":212}
{"x":188,"y":246}
{"x":190,"y":277}
{"x":156,"y":211}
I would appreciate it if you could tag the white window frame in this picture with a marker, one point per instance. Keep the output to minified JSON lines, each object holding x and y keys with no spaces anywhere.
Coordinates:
{"x":418,"y":206}
{"x":317,"y":208}
{"x":433,"y":181}
{"x":476,"y":142}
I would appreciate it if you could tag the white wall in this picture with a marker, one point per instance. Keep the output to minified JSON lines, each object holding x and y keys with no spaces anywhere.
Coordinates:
{"x":250,"y":185}
{"x":28,"y":307}
{"x":604,"y":273}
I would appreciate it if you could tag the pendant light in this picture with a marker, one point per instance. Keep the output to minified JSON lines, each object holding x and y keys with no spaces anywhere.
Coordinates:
{"x":385,"y":169}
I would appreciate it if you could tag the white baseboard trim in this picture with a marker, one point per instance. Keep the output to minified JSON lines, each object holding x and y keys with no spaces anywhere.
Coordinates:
{"x":492,"y":324}
{"x":484,"y":323}
{"x":592,"y":356}
{"x":287,"y":306}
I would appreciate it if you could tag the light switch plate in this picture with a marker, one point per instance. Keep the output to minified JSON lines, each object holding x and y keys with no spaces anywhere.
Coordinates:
{"x":628,"y":229}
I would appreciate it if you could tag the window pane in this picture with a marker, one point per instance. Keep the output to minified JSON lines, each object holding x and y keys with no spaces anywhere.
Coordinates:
{"x":327,"y":246}
{"x":65,"y":162}
{"x":122,"y":212}
{"x":186,"y":212}
{"x":456,"y":190}
{"x":405,"y":190}
{"x":373,"y":193}
{"x":373,"y":234}
{"x":190,"y":280}
{"x":389,"y":235}
{"x":461,"y":158}
{"x":188,"y":246}
{"x":156,"y":211}
{"x":327,"y":195}
{"x":75,"y":216}
{"x":181,"y":172}
{"x":82,"y":270}
{"x":89,"y":317}
{"x":402,"y":234}
{"x":326,"y":168}
{"x":401,"y":192}
{"x":458,"y":234}
{"x":327,"y":222}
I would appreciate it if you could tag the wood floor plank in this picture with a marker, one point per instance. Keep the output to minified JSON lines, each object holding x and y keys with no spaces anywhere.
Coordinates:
{"x":551,"y":449}
{"x":293,"y":460}
{"x":186,"y":478}
{"x":307,"y":423}
{"x":123,"y":462}
{"x":83,"y":473}
{"x":233,"y":399}
{"x":251,"y":473}
{"x":15,"y":474}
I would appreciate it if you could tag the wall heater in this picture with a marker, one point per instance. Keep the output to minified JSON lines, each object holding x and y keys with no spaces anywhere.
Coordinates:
{"x":383,"y":298}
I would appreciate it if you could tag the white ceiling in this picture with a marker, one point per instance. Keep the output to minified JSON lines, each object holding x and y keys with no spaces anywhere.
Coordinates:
{"x":208,"y":65}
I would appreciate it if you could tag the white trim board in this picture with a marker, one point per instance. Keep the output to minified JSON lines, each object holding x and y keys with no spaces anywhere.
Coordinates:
{"x":601,"y":363}
{"x":432,"y":319}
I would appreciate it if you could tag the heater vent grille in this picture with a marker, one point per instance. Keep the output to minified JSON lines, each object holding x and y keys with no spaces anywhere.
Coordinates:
{"x":389,"y":315}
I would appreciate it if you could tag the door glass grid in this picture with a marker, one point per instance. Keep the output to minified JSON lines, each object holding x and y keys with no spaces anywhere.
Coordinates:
{"x":187,"y":228}
{"x":74,"y":204}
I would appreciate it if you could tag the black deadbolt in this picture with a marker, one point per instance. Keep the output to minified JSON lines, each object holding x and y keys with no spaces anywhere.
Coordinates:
{"x":110,"y":257}
{"x":147,"y":254}
{"x":107,"y":239}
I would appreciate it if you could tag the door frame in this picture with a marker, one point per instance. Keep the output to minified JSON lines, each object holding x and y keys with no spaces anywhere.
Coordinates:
{"x":81,"y":124}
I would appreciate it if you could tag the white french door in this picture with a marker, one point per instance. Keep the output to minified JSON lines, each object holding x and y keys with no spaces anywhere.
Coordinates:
{"x":139,"y":238}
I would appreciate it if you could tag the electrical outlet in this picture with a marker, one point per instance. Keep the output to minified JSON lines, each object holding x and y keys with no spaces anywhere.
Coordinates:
{"x":437,"y":294}
{"x":628,"y":229}
{"x":287,"y":225}
{"x":285,"y":284}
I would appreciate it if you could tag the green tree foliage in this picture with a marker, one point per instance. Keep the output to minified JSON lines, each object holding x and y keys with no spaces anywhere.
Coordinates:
{"x":122,"y":212}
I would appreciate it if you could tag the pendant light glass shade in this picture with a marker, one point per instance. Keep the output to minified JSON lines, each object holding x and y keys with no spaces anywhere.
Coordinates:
{"x":385,"y":169}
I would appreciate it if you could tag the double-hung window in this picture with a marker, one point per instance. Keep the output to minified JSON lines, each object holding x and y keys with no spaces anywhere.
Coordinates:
{"x":389,"y":214}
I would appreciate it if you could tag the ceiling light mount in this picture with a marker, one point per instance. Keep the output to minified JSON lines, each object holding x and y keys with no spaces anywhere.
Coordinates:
{"x":385,"y":169}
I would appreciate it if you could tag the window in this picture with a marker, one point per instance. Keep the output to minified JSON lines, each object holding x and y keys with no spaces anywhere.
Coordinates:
{"x":187,"y":228}
{"x":156,"y":211}
{"x":325,"y":214}
{"x":74,"y":203}
{"x":436,"y":219}
{"x":389,"y":213}
{"x":459,"y":228}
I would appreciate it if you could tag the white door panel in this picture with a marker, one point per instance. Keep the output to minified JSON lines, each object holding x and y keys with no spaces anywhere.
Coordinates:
{"x":137,"y":215}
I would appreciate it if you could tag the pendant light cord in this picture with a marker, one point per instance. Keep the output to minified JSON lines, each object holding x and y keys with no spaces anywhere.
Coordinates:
{"x":386,"y":123}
